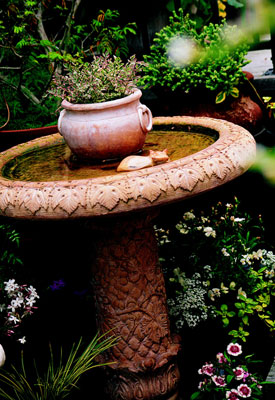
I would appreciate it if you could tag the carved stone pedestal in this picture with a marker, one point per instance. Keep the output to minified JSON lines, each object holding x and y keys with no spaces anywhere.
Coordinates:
{"x":130,"y":298}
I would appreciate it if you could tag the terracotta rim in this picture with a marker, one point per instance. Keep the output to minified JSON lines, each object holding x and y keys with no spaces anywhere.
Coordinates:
{"x":100,"y":106}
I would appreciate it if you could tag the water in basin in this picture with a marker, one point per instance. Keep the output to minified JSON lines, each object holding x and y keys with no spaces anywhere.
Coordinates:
{"x":56,"y":163}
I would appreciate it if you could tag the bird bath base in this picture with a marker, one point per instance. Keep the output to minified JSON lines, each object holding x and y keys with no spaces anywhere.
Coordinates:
{"x":128,"y":284}
{"x":130,"y":300}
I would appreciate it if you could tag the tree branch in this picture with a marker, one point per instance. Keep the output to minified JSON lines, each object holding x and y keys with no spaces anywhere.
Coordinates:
{"x":23,"y":89}
{"x":71,"y":16}
{"x":40,"y":26}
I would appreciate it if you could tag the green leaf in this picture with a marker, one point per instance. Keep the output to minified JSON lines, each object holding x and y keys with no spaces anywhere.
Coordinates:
{"x":45,"y":43}
{"x":229,"y":378}
{"x":220,"y":97}
{"x":195,"y":395}
{"x":235,"y":92}
{"x":224,"y":307}
{"x":225,"y":321}
{"x":235,"y":3}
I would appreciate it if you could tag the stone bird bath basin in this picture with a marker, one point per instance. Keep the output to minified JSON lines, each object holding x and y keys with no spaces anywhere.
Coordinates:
{"x":127,"y":281}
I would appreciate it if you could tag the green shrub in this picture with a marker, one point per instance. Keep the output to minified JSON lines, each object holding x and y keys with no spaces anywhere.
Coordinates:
{"x":216,"y":266}
{"x":215,"y":63}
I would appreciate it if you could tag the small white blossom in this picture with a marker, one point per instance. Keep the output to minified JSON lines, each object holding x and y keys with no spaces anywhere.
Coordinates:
{"x":241,"y":292}
{"x":208,"y":231}
{"x":224,"y":289}
{"x":22,"y":340}
{"x":225,"y":252}
{"x":188,"y":215}
{"x":11,"y":286}
{"x":13,"y":318}
{"x":30,"y":301}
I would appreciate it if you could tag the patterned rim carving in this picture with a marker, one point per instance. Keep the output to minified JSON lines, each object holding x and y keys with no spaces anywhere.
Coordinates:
{"x":230,"y":156}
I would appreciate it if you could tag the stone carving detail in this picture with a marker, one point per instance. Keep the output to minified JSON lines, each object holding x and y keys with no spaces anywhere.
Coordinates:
{"x":130,"y":296}
{"x":227,"y":158}
{"x":163,"y":383}
{"x":130,"y":302}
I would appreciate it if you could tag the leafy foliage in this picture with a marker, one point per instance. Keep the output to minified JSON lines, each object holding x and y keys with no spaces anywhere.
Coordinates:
{"x":36,"y":37}
{"x":218,"y":260}
{"x":60,"y":378}
{"x":103,"y":79}
{"x":216,"y":65}
{"x":201,"y":11}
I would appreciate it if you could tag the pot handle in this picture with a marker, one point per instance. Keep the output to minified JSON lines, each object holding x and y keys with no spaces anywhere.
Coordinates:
{"x":143,"y":110}
{"x":61,"y":115}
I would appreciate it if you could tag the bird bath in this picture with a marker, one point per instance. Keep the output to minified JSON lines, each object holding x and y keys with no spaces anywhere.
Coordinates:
{"x":127,"y":281}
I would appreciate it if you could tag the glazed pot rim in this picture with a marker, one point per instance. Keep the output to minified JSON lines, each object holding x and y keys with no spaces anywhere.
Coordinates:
{"x":100,"y":106}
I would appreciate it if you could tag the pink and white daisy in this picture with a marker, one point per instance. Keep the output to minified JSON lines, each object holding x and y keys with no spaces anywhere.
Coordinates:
{"x":218,"y":380}
{"x":201,"y":385}
{"x":239,"y":373}
{"x":234,"y":349}
{"x":221,"y":358}
{"x":244,"y":390}
{"x":207,"y":369}
{"x":232,"y":394}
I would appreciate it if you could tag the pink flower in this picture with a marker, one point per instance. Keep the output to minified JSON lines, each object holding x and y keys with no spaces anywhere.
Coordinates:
{"x":207,"y":369}
{"x":234,"y":349}
{"x":239,"y":373}
{"x":218,"y":380}
{"x":201,"y":384}
{"x":244,"y":390}
{"x":232,"y":394}
{"x":221,"y":359}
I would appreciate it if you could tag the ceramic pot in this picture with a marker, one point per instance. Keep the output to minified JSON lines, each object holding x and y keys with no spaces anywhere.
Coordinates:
{"x":109,"y":130}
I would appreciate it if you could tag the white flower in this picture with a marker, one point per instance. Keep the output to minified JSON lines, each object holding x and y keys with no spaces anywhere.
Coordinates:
{"x":13,"y":318}
{"x":239,"y":219}
{"x":15,"y":303}
{"x":257,"y":254}
{"x":22,"y":340}
{"x":208,"y":231}
{"x":182,"y":50}
{"x":11,"y":286}
{"x":241,"y":292}
{"x":2,"y":356}
{"x":224,"y":289}
{"x":225,"y":252}
{"x":33,"y":292}
{"x":216,"y":292}
{"x":188,"y":215}
{"x":30,"y":301}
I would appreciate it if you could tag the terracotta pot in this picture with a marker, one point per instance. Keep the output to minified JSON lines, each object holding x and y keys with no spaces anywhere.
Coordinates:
{"x":10,"y":138}
{"x":108,"y":130}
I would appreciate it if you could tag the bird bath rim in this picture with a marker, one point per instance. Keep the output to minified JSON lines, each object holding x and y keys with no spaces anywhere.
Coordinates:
{"x":230,"y":156}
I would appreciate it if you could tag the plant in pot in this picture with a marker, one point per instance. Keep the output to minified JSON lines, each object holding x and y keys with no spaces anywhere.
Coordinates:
{"x":201,"y":71}
{"x":36,"y":38}
{"x":102,"y":116}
